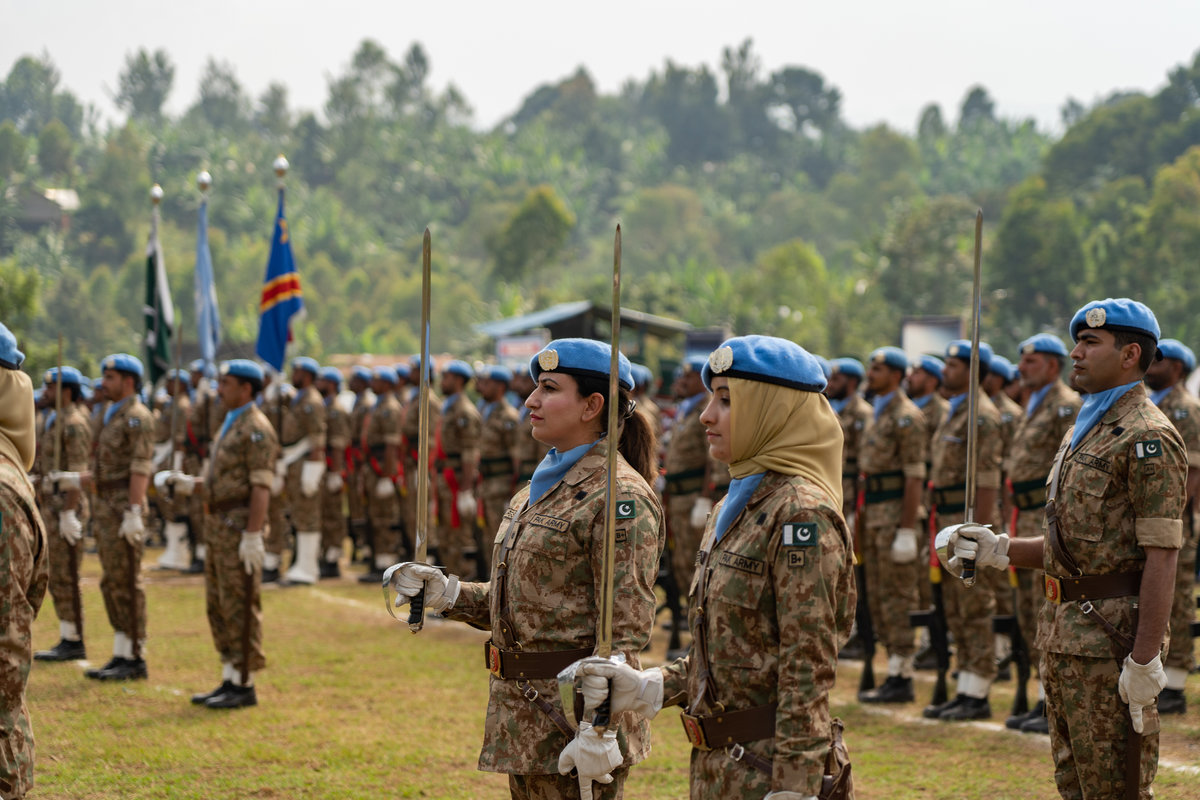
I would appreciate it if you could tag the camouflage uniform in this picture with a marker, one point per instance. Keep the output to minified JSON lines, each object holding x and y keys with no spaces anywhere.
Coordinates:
{"x":275,"y":537}
{"x":934,"y":410}
{"x":1183,"y":411}
{"x":854,"y":418}
{"x":243,"y":458}
{"x":382,"y":442}
{"x":497,"y":444}
{"x":528,"y":451}
{"x":1116,"y":495}
{"x":893,"y":450}
{"x":686,"y":465}
{"x":411,"y":431}
{"x":76,"y":449}
{"x":458,"y":445}
{"x":1000,"y":581}
{"x":968,"y":610}
{"x":171,"y":507}
{"x":547,"y":601}
{"x":125,"y":445}
{"x":23,"y":580}
{"x":777,"y":607}
{"x":1028,"y":467}
{"x":203,"y":423}
{"x":652,"y":413}
{"x":337,"y":440}
{"x":304,"y":417}
{"x":359,"y":473}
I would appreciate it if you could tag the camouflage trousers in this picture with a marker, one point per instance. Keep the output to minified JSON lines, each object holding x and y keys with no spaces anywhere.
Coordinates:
{"x":333,"y":518}
{"x":891,"y":587}
{"x":384,"y":514}
{"x":564,"y":787}
{"x":1030,"y":593}
{"x":173,"y":507}
{"x":1000,"y":582}
{"x":62,"y":583}
{"x":685,"y":539}
{"x":1182,"y":652}
{"x":305,"y":510}
{"x":969,"y":613}
{"x":17,"y":755}
{"x":454,"y":541}
{"x":408,"y":505}
{"x":121,"y":582}
{"x":225,"y":592}
{"x":277,"y":524}
{"x":1089,"y":728}
{"x":924,"y":587}
{"x":714,"y":775}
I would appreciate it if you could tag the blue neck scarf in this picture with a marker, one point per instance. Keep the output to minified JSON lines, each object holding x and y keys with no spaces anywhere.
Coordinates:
{"x":880,"y":403}
{"x":230,"y":418}
{"x":449,"y":401}
{"x":955,"y":402}
{"x":50,"y":419}
{"x":113,"y":408}
{"x":1036,"y":399}
{"x":686,"y":406}
{"x":838,"y":405}
{"x":740,"y":492}
{"x":553,"y":468}
{"x":486,"y":410}
{"x":1160,"y":395}
{"x":923,"y":401}
{"x":1094,"y":407}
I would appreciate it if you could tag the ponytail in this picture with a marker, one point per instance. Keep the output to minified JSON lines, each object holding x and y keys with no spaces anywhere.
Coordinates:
{"x":637,"y":443}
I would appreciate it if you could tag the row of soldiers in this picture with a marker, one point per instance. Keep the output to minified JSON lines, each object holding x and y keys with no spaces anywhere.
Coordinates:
{"x":905,"y":429}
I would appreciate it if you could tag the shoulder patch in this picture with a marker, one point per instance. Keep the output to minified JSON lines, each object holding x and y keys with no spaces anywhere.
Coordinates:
{"x":800,"y":534}
{"x":1066,"y":411}
{"x":307,"y":408}
{"x":904,"y":422}
{"x":858,"y":424}
{"x":626,"y":509}
{"x":257,"y":436}
{"x":134,"y":422}
{"x":741,"y":563}
{"x":1179,"y":413}
{"x":795,"y":558}
{"x":1151,"y":448}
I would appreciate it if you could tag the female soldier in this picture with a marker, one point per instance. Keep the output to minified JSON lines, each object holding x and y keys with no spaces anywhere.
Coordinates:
{"x":541,"y":602}
{"x":773,"y":595}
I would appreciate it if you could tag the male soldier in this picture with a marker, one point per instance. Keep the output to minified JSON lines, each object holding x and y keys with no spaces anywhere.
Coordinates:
{"x":302,"y":440}
{"x":273,"y":401}
{"x":968,"y":610}
{"x":358,"y":470}
{"x":239,"y":490}
{"x":337,"y":440}
{"x":120,"y":475}
{"x":1001,"y":374}
{"x":687,"y":471}
{"x":497,"y":443}
{"x":923,"y":385}
{"x":410,"y":430}
{"x":1165,"y":379}
{"x":63,"y":509}
{"x":853,"y":413}
{"x":457,"y":465}
{"x":892,"y":459}
{"x":643,"y":382}
{"x":200,"y":427}
{"x":1050,"y":413}
{"x":1113,"y":532}
{"x":529,"y":452}
{"x":381,"y":445}
{"x":170,"y":432}
{"x":22,"y":565}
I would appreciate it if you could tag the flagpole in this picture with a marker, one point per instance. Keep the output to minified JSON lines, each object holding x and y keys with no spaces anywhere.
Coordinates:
{"x":204,"y":183}
{"x":280,"y":166}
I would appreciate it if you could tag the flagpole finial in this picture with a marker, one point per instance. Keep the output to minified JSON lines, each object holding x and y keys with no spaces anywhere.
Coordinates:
{"x":204,"y":181}
{"x":281,"y":168}
{"x":156,"y":194}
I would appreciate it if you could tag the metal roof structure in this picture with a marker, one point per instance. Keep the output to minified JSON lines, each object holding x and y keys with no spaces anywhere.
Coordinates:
{"x":580,"y":318}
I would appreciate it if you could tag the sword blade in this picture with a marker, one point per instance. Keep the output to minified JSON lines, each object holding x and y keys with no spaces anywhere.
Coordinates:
{"x":416,"y":618}
{"x":604,"y":630}
{"x":968,"y":573}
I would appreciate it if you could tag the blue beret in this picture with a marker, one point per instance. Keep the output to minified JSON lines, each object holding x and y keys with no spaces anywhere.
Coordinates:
{"x":1044,"y":343}
{"x":893,"y":357}
{"x":582,"y":357}
{"x":766,"y":359}
{"x":496,"y":372}
{"x":690,"y":364}
{"x":70,"y":376}
{"x":196,"y":365}
{"x":1173,"y":348}
{"x":847,"y":366}
{"x":931,"y":364}
{"x":961,"y":349}
{"x":642,"y":376}
{"x":1002,"y":367}
{"x":123,"y":362}
{"x":38,"y":393}
{"x":402,"y":370}
{"x":330,"y":374}
{"x":307,"y":364}
{"x":97,"y":383}
{"x":414,"y":373}
{"x":460,"y":368}
{"x":243,"y":368}
{"x":10,"y":356}
{"x":361,"y":372}
{"x":826,"y":367}
{"x":1116,"y":314}
{"x":178,"y":375}
{"x":86,"y":391}
{"x":386,"y":374}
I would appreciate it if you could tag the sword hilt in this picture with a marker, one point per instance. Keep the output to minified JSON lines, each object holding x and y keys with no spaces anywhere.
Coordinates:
{"x":968,"y":571}
{"x":416,"y":611}
{"x":603,"y":714}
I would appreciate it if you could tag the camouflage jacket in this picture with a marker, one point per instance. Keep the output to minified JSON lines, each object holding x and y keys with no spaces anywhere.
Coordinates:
{"x":896,"y":441}
{"x":1183,"y":411}
{"x":410,"y":425}
{"x":24,"y":576}
{"x":125,"y":443}
{"x":242,"y":458}
{"x":76,"y":446}
{"x":1122,"y":489}
{"x":1038,"y":435}
{"x":554,"y":567}
{"x":165,"y":416}
{"x":1011,"y":415}
{"x":949,"y":448}
{"x":779,"y":603}
{"x":529,"y":451}
{"x":461,"y":429}
{"x":854,"y":419}
{"x":686,"y":461}
{"x":497,"y":443}
{"x":304,"y":416}
{"x":337,"y":431}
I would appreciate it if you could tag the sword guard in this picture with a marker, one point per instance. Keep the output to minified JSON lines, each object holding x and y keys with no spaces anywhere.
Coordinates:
{"x":416,"y":611}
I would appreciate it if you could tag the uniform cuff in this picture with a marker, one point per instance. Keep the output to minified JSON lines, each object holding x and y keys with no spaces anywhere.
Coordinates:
{"x":262,"y":477}
{"x":392,"y":439}
{"x":1164,"y":533}
{"x":915,"y":471}
{"x":1194,"y":459}
{"x":142,"y":466}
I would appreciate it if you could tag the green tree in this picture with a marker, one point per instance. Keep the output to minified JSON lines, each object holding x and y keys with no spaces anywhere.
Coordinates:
{"x":222,"y":102}
{"x":810,"y":103}
{"x":12,"y":150}
{"x":533,"y":236}
{"x":144,"y":84}
{"x":54,"y":149}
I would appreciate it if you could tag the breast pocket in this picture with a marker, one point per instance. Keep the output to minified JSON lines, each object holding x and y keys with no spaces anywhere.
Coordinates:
{"x":539,"y":571}
{"x":737,"y":607}
{"x":1085,"y":494}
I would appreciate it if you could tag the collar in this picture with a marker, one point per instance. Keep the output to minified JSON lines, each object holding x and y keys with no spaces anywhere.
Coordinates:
{"x":880,"y":403}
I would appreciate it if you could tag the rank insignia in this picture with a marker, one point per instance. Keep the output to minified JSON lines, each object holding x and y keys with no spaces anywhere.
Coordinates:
{"x":721,"y":359}
{"x":800,"y":534}
{"x":548,"y":360}
{"x":1148,"y":449}
{"x":1180,"y":413}
{"x":257,"y":436}
{"x":1095,"y":317}
{"x":626,"y":509}
{"x":1065,"y":411}
{"x":134,"y":422}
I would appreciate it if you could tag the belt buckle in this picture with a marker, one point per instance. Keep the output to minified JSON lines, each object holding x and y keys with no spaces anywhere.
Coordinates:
{"x":1052,"y":588}
{"x":694,"y":731}
{"x":737,"y":751}
{"x":493,"y":656}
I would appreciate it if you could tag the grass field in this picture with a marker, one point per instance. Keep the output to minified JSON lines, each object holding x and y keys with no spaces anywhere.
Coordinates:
{"x":354,"y":706}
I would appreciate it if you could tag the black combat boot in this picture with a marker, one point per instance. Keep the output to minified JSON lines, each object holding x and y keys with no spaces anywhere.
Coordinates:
{"x":894,"y":690}
{"x":65,"y":650}
{"x":95,"y":672}
{"x":201,"y":699}
{"x":969,"y":708}
{"x":1015,"y":722}
{"x":935,"y":712}
{"x":130,"y":669}
{"x":234,"y":697}
{"x":1172,"y":701}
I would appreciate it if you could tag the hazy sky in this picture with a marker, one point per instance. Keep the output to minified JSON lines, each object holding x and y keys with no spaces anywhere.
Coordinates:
{"x":888,"y":57}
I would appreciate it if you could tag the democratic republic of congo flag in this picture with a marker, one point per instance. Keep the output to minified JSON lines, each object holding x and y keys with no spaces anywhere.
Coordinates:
{"x":281,"y":296}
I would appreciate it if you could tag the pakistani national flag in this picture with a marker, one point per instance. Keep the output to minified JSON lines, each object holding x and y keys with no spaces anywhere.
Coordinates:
{"x":158,"y":311}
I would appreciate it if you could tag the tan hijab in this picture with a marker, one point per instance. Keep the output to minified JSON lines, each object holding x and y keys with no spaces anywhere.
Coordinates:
{"x":787,"y":431}
{"x":18,"y":440}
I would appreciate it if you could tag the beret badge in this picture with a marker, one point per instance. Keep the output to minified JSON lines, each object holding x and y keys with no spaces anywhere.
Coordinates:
{"x":1096,"y":317}
{"x":721,"y":359}
{"x":548,"y":360}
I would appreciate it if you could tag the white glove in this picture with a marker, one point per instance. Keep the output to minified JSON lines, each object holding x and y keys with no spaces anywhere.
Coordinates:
{"x":310,"y":477}
{"x":1139,"y":686}
{"x":904,"y":546}
{"x":384,"y":488}
{"x":334,"y":482}
{"x":69,"y":527}
{"x":280,"y":476}
{"x":467,"y":506}
{"x":162,"y":479}
{"x":639,"y":691}
{"x":595,"y":756}
{"x":185,"y":485}
{"x":132,"y":527}
{"x":979,"y":543}
{"x":700,"y":512}
{"x":64,"y":480}
{"x":251,"y":551}
{"x":407,"y":580}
